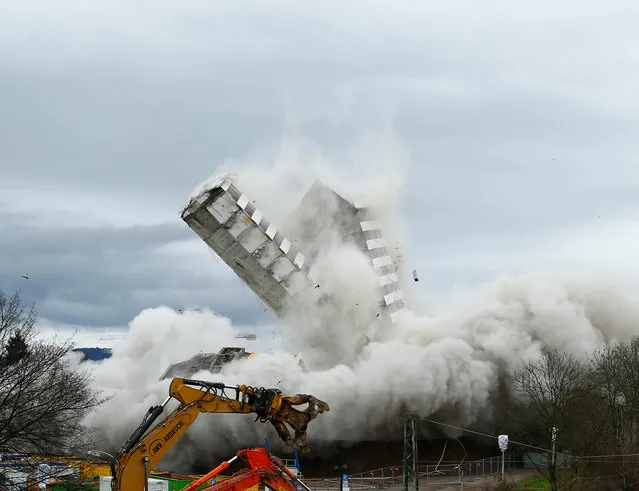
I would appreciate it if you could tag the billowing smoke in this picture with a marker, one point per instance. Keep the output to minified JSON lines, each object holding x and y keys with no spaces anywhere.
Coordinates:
{"x":449,"y":361}
{"x":332,"y":323}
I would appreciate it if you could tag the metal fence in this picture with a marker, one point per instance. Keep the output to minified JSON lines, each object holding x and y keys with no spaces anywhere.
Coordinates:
{"x":465,"y":471}
{"x":429,"y":473}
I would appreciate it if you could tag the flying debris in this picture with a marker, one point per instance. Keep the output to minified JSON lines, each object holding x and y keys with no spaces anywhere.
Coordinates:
{"x":112,"y":337}
{"x":248,"y":336}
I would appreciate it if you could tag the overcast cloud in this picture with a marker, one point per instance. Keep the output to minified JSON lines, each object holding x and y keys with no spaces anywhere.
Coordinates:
{"x":520,"y":118}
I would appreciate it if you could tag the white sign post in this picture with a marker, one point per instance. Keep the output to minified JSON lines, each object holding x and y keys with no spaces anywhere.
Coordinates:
{"x":502,"y":440}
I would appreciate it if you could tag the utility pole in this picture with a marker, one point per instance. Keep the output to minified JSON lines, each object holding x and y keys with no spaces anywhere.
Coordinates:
{"x":410,"y":453}
{"x":554,"y":439}
{"x":619,"y":400}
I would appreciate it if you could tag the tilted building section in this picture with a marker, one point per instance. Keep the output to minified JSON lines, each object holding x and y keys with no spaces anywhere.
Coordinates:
{"x":278,"y":264}
{"x":371,"y":240}
{"x":266,"y":260}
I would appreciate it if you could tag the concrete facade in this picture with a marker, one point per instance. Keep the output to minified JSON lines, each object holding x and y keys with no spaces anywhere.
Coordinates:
{"x":278,"y":264}
{"x":261,"y":255}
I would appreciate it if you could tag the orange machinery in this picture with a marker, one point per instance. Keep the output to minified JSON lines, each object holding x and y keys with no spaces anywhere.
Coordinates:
{"x":263,"y":468}
{"x":146,"y":446}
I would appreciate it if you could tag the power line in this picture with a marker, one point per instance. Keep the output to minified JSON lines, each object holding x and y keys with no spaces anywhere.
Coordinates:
{"x":486,"y":435}
{"x":492,"y":436}
{"x":495,"y":438}
{"x":611,"y":455}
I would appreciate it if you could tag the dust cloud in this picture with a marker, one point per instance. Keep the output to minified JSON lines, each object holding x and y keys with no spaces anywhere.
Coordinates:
{"x":447,"y":360}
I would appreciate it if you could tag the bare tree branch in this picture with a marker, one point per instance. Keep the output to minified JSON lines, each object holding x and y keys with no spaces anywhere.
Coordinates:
{"x":550,"y":385}
{"x":43,"y":397}
{"x":15,"y":318}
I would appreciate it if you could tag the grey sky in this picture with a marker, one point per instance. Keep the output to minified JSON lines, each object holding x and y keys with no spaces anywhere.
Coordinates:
{"x":521,"y":122}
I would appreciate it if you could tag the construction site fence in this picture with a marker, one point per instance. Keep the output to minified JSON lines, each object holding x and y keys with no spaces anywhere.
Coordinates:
{"x":428,"y":472}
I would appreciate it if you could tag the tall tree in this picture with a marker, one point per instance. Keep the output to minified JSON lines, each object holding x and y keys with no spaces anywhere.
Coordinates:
{"x":547,"y":388}
{"x":616,"y":367}
{"x":16,"y":348}
{"x":16,"y":319}
{"x":43,"y":396}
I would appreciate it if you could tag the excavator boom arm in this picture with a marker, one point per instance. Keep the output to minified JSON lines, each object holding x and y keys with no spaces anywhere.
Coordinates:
{"x":237,"y":483}
{"x":146,"y":447}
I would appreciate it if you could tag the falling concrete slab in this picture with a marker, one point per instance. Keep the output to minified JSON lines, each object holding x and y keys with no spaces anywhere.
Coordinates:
{"x":277,"y":263}
{"x":239,"y":233}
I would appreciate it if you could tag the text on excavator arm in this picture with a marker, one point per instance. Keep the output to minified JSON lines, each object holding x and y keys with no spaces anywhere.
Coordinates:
{"x":144,"y":449}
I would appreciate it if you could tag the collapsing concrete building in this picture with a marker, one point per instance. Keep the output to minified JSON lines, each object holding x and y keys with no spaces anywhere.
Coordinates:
{"x":277,"y":264}
{"x":266,"y":259}
{"x":261,"y":255}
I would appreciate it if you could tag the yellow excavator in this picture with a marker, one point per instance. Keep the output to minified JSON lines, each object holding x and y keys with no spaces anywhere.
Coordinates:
{"x":144,"y":449}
